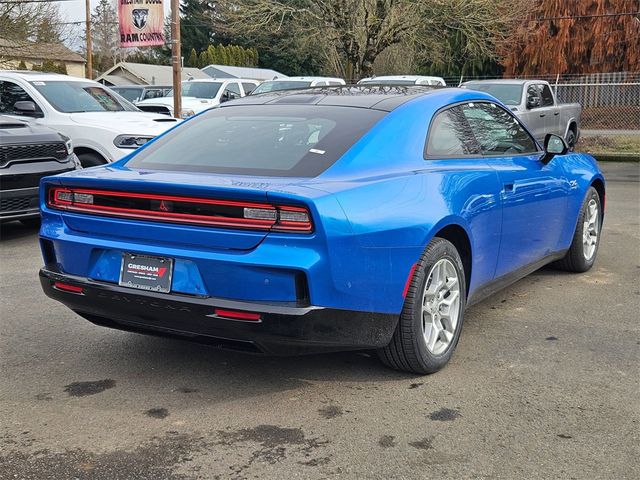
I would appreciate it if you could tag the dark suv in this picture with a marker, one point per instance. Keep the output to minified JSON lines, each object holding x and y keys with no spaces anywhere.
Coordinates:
{"x":27,"y":153}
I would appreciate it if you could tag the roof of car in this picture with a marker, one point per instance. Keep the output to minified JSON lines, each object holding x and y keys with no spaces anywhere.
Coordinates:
{"x":380,"y":97}
{"x":402,"y":77}
{"x":506,"y":81}
{"x":305,"y":79}
{"x":41,"y":76}
{"x":219,"y":80}
{"x":140,"y":86}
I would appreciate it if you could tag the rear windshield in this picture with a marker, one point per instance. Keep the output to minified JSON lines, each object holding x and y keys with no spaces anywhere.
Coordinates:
{"x":199,"y":89}
{"x":507,"y":93}
{"x":271,"y":140}
{"x":131,"y":94}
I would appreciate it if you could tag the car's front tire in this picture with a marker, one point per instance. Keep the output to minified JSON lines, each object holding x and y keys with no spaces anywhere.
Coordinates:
{"x":433,"y":312}
{"x":586,"y":239}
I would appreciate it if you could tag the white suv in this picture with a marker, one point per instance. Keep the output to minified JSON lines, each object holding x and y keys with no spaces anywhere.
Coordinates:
{"x":292,"y":83}
{"x":102,"y":125}
{"x":400,"y":80}
{"x":199,"y":95}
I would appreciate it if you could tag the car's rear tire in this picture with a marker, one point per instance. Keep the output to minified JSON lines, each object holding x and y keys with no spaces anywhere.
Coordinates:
{"x":586,"y":238}
{"x":571,"y":140}
{"x":433,"y":312}
{"x":90,"y":159}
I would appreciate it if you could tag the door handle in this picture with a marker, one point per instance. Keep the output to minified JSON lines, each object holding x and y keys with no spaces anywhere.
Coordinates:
{"x":542,"y":115}
{"x":557,"y":113}
{"x":508,"y":187}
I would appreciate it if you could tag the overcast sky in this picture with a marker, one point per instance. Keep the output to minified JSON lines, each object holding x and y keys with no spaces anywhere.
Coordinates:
{"x":73,"y":10}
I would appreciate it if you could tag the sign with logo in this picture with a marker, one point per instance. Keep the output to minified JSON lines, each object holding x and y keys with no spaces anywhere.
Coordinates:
{"x":141,"y":23}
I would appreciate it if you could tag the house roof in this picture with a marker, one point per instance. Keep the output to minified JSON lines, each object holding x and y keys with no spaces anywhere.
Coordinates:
{"x":226,"y":71}
{"x":38,"y":51}
{"x":126,"y":73}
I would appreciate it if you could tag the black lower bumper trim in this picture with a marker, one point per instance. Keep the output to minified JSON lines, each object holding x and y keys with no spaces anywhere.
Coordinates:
{"x":284,"y":329}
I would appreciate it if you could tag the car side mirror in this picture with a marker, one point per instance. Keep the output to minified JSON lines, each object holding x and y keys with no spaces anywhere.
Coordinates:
{"x":553,"y":145}
{"x":27,"y":108}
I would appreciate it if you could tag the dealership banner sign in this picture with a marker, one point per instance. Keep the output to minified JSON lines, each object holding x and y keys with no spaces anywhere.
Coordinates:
{"x":141,"y":23}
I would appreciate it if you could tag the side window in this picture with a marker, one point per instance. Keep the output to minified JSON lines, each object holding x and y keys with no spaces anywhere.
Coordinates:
{"x":449,"y":135}
{"x":534,"y":99}
{"x":152,"y":93}
{"x":10,"y":93}
{"x":231,"y":92}
{"x":496,"y":131}
{"x":547,"y":96}
{"x":248,"y":88}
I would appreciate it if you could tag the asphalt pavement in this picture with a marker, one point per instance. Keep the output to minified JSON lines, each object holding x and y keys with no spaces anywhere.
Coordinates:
{"x":545,"y":383}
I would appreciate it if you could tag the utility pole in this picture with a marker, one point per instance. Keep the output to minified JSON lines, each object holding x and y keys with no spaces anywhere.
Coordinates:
{"x":89,"y":47}
{"x":176,"y":58}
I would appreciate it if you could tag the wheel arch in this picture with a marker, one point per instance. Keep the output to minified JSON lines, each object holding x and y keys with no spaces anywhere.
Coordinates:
{"x":460,"y":239}
{"x":82,"y":150}
{"x":598,"y":184}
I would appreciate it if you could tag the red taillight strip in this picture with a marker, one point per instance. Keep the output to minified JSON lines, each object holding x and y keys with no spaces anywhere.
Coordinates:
{"x":54,"y":201}
{"x":171,"y":198}
{"x":408,"y":282}
{"x":179,"y":217}
{"x":67,"y":288}
{"x":237,"y":315}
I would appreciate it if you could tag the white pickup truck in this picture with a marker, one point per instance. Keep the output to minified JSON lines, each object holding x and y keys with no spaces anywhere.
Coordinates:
{"x":199,"y":95}
{"x":103,"y":126}
{"x":534,"y":102}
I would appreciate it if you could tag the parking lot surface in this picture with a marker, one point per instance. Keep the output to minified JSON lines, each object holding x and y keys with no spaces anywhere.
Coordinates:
{"x":545,"y":383}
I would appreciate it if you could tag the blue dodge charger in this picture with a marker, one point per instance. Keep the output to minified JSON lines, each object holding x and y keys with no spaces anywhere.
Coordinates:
{"x":365,"y":217}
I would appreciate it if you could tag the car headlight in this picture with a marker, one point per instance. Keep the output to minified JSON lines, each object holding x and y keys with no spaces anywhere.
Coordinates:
{"x":68,"y":144}
{"x":130,"y":141}
{"x":186,"y":112}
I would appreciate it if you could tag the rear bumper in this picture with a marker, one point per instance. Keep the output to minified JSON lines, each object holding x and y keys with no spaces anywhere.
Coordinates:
{"x":284,"y":329}
{"x":19,"y":204}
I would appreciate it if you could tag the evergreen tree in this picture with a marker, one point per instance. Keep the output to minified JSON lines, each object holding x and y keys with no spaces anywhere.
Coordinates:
{"x":193,"y":61}
{"x":49,"y":67}
{"x":22,"y":65}
{"x":203,"y":59}
{"x":221,"y":57}
{"x":196,"y":31}
{"x":213,"y":55}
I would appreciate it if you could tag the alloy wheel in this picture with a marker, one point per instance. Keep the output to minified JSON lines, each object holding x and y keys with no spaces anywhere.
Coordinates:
{"x":440,"y":306}
{"x":590,"y":230}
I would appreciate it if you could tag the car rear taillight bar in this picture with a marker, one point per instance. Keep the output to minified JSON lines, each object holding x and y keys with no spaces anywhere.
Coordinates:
{"x":178,"y":209}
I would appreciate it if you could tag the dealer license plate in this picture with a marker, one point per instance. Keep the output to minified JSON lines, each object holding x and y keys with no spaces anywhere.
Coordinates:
{"x":146,"y":273}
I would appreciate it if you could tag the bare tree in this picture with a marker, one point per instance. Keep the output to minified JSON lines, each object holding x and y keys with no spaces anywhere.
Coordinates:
{"x":104,"y":31}
{"x":24,"y":23}
{"x":353,"y":33}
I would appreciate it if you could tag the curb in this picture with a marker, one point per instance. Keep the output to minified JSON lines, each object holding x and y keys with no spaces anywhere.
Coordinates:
{"x":616,"y":157}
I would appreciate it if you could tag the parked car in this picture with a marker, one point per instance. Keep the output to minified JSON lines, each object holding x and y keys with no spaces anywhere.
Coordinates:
{"x":198,"y":95}
{"x":347,"y":218}
{"x":403,"y":80}
{"x":137,"y":93}
{"x":535,"y":103}
{"x":27,"y":153}
{"x":292,"y":83}
{"x":104,"y":127}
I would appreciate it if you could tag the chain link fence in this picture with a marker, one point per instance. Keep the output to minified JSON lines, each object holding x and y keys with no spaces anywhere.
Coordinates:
{"x":610,"y":124}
